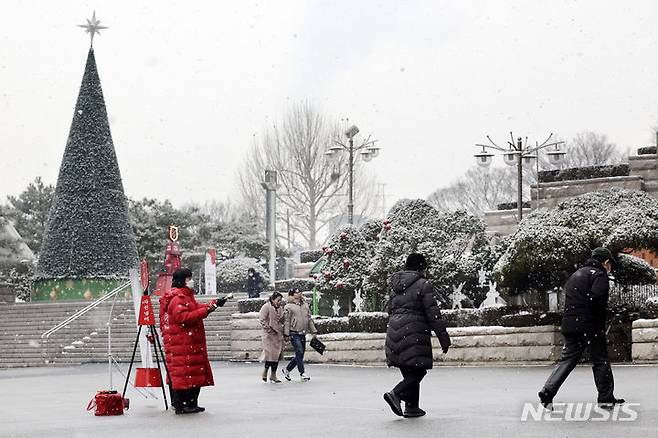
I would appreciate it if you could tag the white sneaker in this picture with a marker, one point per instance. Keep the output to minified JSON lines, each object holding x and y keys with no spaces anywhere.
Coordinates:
{"x":304,"y":377}
{"x":286,"y":374}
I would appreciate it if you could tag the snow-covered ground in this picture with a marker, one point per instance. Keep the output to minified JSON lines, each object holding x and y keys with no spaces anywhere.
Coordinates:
{"x":337,"y":402}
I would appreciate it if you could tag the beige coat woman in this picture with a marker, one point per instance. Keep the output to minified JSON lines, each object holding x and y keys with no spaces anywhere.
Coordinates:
{"x":271,"y":319}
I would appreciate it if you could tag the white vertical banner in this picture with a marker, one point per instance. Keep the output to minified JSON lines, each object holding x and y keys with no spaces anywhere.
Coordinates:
{"x":210,"y":269}
{"x":144,"y":348}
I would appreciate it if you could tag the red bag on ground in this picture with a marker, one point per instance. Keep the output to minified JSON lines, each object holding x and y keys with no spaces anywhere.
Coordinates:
{"x":108,"y":403}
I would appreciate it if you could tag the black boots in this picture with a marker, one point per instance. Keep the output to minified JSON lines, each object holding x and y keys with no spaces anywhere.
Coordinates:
{"x":546,"y":398}
{"x":413,"y":411}
{"x":394,"y":402}
{"x":611,"y":404}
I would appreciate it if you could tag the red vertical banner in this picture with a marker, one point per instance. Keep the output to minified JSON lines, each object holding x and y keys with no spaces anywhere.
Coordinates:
{"x":144,"y":278}
{"x":146,"y":316}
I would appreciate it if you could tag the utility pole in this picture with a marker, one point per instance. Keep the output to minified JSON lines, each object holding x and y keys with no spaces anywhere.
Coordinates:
{"x":270,"y":185}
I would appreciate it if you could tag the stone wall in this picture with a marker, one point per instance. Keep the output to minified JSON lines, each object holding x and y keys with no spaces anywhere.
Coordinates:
{"x":645,"y":340}
{"x":551,"y":194}
{"x":643,"y":176}
{"x":470,"y":344}
{"x":502,"y":222}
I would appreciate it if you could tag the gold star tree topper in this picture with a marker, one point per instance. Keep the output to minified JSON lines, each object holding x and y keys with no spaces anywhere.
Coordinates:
{"x":93,"y":26}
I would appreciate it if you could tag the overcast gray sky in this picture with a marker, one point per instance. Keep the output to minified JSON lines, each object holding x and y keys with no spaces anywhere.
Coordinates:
{"x":188,"y":84}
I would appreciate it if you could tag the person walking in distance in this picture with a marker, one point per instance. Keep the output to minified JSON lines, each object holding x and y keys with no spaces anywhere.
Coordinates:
{"x":297,"y":323}
{"x":271,"y":319}
{"x":583,"y":327}
{"x":413,"y":315}
{"x":254,"y":284}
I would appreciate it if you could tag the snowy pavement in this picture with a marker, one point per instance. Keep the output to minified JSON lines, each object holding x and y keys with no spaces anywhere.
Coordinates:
{"x":337,"y":402}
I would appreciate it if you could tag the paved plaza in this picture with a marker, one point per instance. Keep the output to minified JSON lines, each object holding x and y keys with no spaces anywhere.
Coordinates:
{"x":339,"y":401}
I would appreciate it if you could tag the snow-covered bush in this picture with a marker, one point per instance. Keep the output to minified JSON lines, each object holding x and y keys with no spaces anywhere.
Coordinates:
{"x":311,"y":256}
{"x":651,"y":307}
{"x":251,"y":304}
{"x":232,"y":273}
{"x":19,"y":276}
{"x":303,"y":284}
{"x":347,"y":263}
{"x":368,"y":322}
{"x":633,"y":270}
{"x":550,"y":244}
{"x":454,"y":244}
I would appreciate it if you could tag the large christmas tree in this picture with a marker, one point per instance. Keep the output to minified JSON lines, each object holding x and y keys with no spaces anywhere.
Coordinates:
{"x":89,"y":246}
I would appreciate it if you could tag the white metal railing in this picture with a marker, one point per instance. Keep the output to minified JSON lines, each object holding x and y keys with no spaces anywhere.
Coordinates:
{"x":111,"y":294}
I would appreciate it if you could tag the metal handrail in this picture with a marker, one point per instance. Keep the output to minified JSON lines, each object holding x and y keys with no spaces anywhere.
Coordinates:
{"x":82,"y":312}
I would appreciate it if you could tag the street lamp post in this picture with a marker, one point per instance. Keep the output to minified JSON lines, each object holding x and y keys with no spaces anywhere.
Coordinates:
{"x":270,"y":185}
{"x":519,"y":153}
{"x":368,"y":149}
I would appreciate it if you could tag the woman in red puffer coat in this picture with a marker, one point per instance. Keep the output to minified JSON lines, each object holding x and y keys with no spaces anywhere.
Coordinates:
{"x":184,"y":337}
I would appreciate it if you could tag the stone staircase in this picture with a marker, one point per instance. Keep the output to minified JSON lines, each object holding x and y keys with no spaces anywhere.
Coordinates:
{"x":85,"y":339}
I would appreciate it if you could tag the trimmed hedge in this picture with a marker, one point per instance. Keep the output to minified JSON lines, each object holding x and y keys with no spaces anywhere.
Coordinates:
{"x":648,"y":150}
{"x":368,"y":322}
{"x":529,"y":319}
{"x":512,"y":205}
{"x":578,"y":173}
{"x":303,"y":284}
{"x":310,"y":256}
{"x":327,"y":325}
{"x":251,"y":304}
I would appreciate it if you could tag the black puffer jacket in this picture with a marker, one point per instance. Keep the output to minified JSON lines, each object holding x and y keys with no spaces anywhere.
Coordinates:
{"x":413,"y":315}
{"x":586,"y":299}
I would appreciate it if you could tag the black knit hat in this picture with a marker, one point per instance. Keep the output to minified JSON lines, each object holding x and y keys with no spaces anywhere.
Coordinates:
{"x":603,"y":254}
{"x":179,"y":276}
{"x":416,"y":262}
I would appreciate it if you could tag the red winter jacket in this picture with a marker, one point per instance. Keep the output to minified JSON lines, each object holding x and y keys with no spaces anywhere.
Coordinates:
{"x":181,"y":324}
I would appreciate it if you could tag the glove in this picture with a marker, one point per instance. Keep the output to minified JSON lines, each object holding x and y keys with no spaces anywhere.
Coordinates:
{"x":445,"y":350}
{"x":219,"y":302}
{"x":212,"y":307}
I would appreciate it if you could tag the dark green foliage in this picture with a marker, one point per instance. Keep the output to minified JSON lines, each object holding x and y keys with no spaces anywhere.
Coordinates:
{"x":303,"y":284}
{"x":577,"y":173}
{"x":649,"y":150}
{"x":29,"y":212}
{"x":512,"y":205}
{"x":88,"y":232}
{"x":326,"y":325}
{"x":311,"y":256}
{"x":251,"y":304}
{"x":633,"y":270}
{"x":368,"y":322}
{"x":454,"y":244}
{"x":530,"y":319}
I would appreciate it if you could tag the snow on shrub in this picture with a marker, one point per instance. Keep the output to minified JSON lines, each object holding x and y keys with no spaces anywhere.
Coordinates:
{"x":454,"y":244}
{"x":550,"y":244}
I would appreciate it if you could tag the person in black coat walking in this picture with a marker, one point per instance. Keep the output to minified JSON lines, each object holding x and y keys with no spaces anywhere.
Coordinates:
{"x":413,"y":315}
{"x":583,"y":326}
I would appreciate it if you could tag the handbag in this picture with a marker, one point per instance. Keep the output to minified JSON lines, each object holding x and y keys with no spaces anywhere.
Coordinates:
{"x":317,"y":345}
{"x":108,"y":403}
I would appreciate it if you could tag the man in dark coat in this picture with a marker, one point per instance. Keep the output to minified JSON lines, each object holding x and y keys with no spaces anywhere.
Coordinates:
{"x":254,"y":284}
{"x":413,"y":315}
{"x":583,"y":326}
